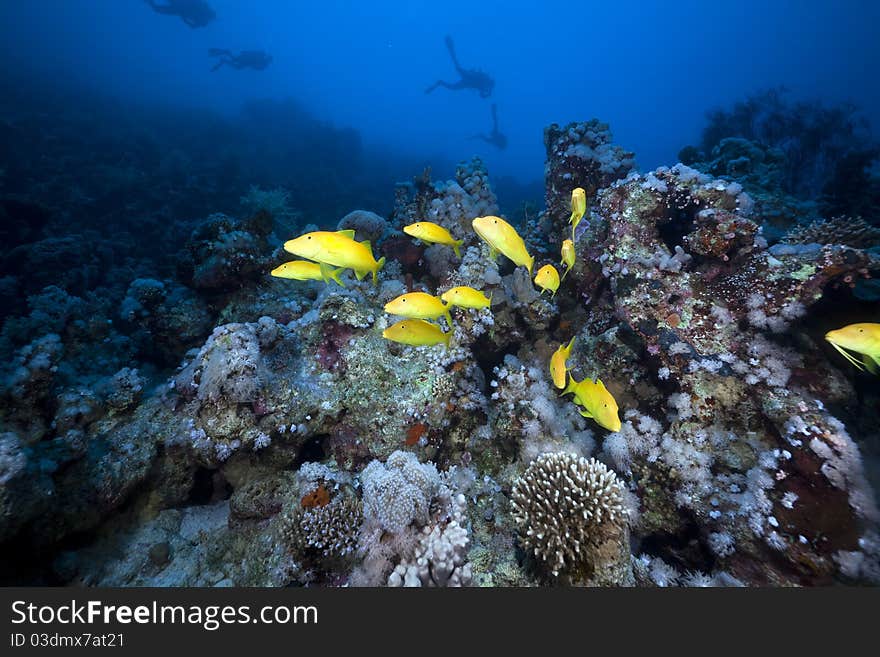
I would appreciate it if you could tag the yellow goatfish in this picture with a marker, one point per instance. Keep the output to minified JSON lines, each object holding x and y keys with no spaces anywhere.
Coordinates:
{"x":433,"y":233}
{"x":338,"y":249}
{"x":503,"y":238}
{"x":597,"y":402}
{"x":466,"y":297}
{"x":303,"y":270}
{"x":419,"y":305}
{"x":547,"y":278}
{"x":864,"y":339}
{"x":568,"y":257}
{"x":416,"y":332}
{"x":578,"y":208}
{"x":558,"y":367}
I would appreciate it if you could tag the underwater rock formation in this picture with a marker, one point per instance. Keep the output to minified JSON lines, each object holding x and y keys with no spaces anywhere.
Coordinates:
{"x":579,"y":155}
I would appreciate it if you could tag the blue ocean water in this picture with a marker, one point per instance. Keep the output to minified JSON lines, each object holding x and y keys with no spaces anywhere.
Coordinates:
{"x":156,"y":156}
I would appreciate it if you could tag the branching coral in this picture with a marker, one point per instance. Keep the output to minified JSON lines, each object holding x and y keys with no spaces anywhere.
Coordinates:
{"x":566,"y":508}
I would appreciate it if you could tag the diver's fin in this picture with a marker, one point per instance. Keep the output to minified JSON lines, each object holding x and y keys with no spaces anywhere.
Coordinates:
{"x":346,"y":233}
{"x":455,"y":245}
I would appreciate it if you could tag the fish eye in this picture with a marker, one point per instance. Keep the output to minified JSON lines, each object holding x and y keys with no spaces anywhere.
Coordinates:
{"x":308,"y":237}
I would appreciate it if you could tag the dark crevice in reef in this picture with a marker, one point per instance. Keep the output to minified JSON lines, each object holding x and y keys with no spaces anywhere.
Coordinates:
{"x":209,"y":486}
{"x":685,"y":550}
{"x":312,"y":450}
{"x":681,"y":223}
{"x":488,"y":356}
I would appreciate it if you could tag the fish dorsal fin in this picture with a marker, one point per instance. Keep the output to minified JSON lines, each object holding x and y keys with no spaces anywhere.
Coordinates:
{"x":346,"y":233}
{"x":368,"y":246}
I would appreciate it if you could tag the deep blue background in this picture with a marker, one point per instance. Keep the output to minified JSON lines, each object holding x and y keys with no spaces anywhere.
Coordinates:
{"x":650,"y":69}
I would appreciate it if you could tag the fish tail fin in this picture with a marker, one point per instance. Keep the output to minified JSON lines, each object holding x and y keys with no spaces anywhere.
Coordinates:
{"x":379,"y":265}
{"x":531,"y":264}
{"x":455,"y":247}
{"x":571,"y":387}
{"x":570,"y":345}
{"x":335,"y":276}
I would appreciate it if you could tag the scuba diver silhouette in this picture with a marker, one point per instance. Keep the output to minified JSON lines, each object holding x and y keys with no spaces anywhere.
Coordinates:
{"x":496,"y":138}
{"x":255,"y":59}
{"x":470,"y":78}
{"x":195,"y":13}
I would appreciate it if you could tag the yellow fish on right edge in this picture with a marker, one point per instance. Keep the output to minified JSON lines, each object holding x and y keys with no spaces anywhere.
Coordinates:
{"x":503,"y":238}
{"x":578,"y":207}
{"x":864,"y":339}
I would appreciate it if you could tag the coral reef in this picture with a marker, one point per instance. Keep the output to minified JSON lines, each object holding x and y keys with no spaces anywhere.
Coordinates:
{"x":185,"y":419}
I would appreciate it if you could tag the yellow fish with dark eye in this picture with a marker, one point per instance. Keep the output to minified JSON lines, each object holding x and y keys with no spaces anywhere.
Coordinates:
{"x":864,"y":339}
{"x":430,"y":232}
{"x":416,"y":332}
{"x":466,"y":297}
{"x":547,"y":278}
{"x":558,"y":368}
{"x":303,"y":270}
{"x":419,"y":305}
{"x":568,"y":257}
{"x":503,"y":238}
{"x":597,"y":402}
{"x":338,"y":249}
{"x":578,"y":208}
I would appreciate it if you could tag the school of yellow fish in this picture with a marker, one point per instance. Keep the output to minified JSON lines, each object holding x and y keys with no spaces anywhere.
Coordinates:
{"x":328,"y":254}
